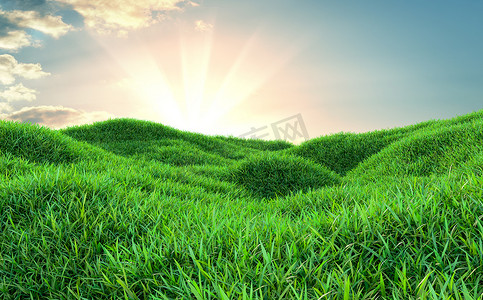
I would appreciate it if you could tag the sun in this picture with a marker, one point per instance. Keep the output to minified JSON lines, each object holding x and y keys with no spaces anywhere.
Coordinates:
{"x":182,"y":85}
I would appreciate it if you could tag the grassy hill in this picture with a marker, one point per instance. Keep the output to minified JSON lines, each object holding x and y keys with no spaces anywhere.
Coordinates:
{"x":129,"y":137}
{"x":129,"y":209}
{"x":342,"y":152}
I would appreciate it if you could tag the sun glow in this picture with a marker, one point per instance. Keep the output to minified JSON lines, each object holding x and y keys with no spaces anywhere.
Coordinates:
{"x":192,"y":86}
{"x":195,"y":68}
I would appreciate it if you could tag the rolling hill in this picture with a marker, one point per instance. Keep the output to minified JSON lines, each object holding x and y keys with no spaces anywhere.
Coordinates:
{"x":138,"y":210}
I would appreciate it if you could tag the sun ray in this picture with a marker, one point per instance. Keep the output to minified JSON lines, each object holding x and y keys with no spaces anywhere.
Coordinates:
{"x":227,"y":97}
{"x":230,"y":77}
{"x":195,"y":67}
{"x":188,"y":102}
{"x":148,"y":80}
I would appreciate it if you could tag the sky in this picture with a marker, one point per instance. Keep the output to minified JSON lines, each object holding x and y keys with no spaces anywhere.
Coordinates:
{"x":255,"y":68}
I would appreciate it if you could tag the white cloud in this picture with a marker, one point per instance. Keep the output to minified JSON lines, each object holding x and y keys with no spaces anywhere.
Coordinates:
{"x":119,"y":16}
{"x":203,"y":26}
{"x":56,"y":116}
{"x":14,"y":40}
{"x":51,"y":25}
{"x":18,"y":93}
{"x":10,"y":68}
{"x":4,"y":107}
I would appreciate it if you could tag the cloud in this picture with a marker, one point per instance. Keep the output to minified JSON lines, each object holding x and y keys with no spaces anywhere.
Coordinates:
{"x":10,"y":68}
{"x":48,"y":24}
{"x":18,"y":93}
{"x":38,"y":16}
{"x":203,"y":26}
{"x":56,"y":116}
{"x":14,"y":40}
{"x":4,"y":107}
{"x":120,"y":16}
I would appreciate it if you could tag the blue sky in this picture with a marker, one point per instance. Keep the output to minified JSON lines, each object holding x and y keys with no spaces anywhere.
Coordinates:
{"x":223,"y":67}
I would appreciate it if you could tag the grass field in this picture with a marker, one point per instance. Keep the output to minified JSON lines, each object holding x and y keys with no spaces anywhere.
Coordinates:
{"x":129,"y":209}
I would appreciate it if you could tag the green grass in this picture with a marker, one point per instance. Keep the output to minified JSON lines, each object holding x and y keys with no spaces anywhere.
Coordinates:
{"x":272,"y":175}
{"x":342,"y":152}
{"x":127,"y":209}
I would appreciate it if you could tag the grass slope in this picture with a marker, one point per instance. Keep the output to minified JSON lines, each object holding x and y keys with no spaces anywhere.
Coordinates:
{"x":39,"y":144}
{"x":426,"y":152}
{"x":270,"y":175}
{"x":129,"y":137}
{"x":342,"y":152}
{"x":128,"y":209}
